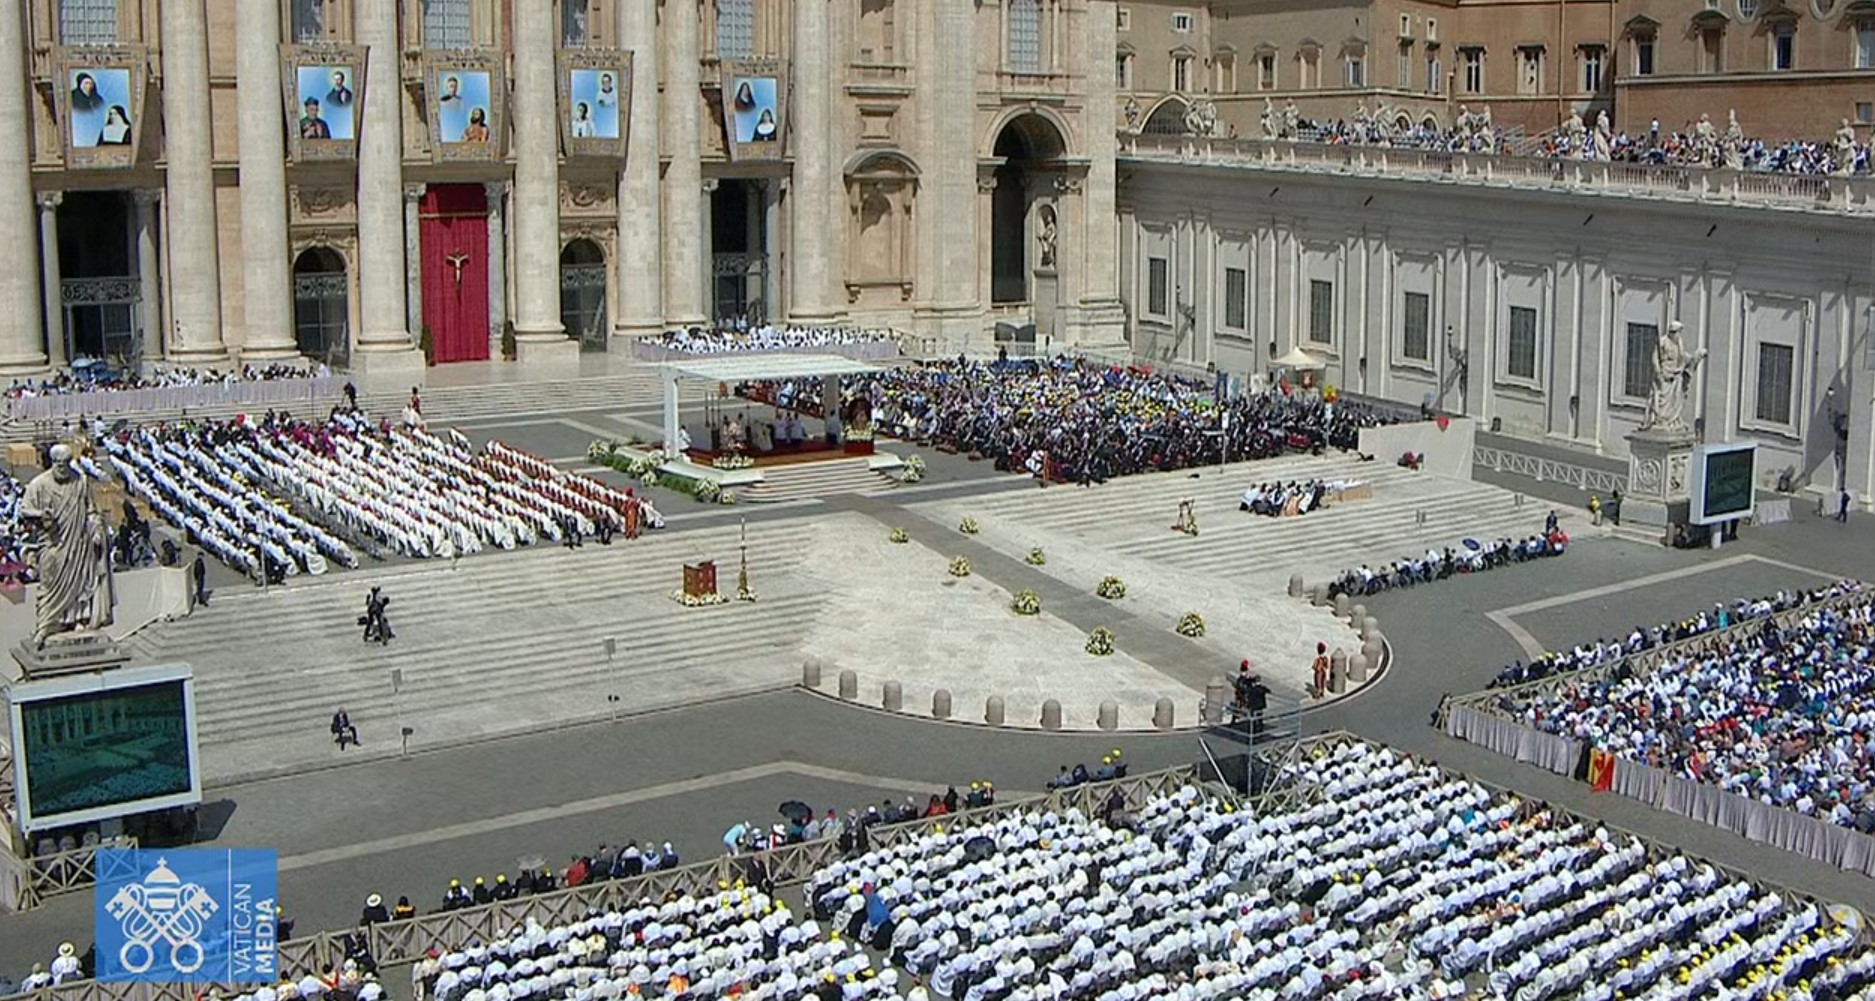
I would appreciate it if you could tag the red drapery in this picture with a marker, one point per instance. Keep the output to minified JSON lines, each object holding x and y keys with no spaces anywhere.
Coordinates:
{"x":453,"y":223}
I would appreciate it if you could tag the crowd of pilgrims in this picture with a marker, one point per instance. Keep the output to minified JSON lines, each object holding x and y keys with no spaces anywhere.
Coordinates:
{"x":1282,"y":500}
{"x":1777,"y":712}
{"x":746,"y":337}
{"x":1083,"y":422}
{"x":13,"y":568}
{"x":1437,"y":564}
{"x":279,"y":497}
{"x":1608,"y":650}
{"x":70,"y":381}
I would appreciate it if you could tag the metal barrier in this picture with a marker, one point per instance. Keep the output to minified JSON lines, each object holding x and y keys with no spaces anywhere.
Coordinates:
{"x":65,"y":871}
{"x":1548,"y":470}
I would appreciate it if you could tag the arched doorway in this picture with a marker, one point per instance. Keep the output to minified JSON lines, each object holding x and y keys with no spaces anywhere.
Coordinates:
{"x":582,"y":293}
{"x":322,"y":306}
{"x":1026,"y":145}
{"x":1168,"y":119}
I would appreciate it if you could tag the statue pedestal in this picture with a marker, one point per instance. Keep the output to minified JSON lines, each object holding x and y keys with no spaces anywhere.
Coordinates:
{"x":69,"y":653}
{"x":1659,"y":468}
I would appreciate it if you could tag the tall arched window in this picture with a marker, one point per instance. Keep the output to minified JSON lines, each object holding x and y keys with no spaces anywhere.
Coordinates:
{"x":448,"y":24}
{"x":735,"y":29}
{"x":87,"y":22}
{"x":1025,"y":36}
{"x":575,"y":24}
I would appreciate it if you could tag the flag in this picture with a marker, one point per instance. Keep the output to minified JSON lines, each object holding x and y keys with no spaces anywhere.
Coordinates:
{"x":1601,"y":771}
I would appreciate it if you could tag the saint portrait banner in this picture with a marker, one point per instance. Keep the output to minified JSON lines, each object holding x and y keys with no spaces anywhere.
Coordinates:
{"x":99,"y":94}
{"x":754,"y":106}
{"x":325,"y":100}
{"x":466,"y":102}
{"x":595,"y":102}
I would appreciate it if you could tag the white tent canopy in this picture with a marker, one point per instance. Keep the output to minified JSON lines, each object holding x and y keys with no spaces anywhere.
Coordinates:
{"x":746,"y":368}
{"x":1300,"y":360}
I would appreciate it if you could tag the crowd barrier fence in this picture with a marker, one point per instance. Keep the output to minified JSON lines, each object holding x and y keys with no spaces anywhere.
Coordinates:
{"x":256,"y":393}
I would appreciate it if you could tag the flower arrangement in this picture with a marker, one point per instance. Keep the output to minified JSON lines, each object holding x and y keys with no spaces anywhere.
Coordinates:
{"x":960,"y":567}
{"x":1036,"y":557}
{"x":707,"y":491}
{"x":649,"y":479}
{"x":1100,"y":641}
{"x":698,"y":600}
{"x":601,"y":450}
{"x":968,"y":526}
{"x":732,"y":461}
{"x":726,"y":497}
{"x":1111,"y":588}
{"x":912,"y":471}
{"x":1026,"y":603}
{"x":1190,"y":624}
{"x":898,"y":537}
{"x":858,"y":434}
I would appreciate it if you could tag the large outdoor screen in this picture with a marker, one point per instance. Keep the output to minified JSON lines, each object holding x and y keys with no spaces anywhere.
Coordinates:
{"x":1724,"y":482}
{"x":103,"y":746}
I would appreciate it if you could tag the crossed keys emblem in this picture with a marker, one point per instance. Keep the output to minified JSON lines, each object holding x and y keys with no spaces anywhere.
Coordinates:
{"x":161,"y":908}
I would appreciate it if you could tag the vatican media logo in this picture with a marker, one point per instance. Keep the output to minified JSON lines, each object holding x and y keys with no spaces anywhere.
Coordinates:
{"x":187,"y":915}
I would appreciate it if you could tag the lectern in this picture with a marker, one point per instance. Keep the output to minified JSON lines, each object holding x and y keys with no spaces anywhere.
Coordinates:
{"x":700,"y":579}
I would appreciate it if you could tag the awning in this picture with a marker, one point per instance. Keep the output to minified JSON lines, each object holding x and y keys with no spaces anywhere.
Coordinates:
{"x":752,"y":366}
{"x":1299,"y":359}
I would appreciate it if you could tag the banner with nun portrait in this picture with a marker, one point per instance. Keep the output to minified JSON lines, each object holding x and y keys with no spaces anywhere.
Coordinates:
{"x":325,"y":100}
{"x":754,"y":107}
{"x":99,"y":95}
{"x":595,"y":102}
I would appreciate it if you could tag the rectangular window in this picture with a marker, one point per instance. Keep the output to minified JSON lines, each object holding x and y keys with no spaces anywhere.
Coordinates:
{"x":1432,"y":29}
{"x":1025,"y":36}
{"x":1474,"y":71}
{"x":1321,"y":311}
{"x":735,"y":29}
{"x":1121,"y":78}
{"x":1529,"y":71}
{"x":1865,"y":46}
{"x":309,"y":21}
{"x":878,"y":34}
{"x":1182,"y":23}
{"x":1181,"y":74}
{"x":1637,"y":375}
{"x":1644,"y":56}
{"x":1124,"y":18}
{"x":1592,"y":69}
{"x":1406,"y":67}
{"x":1156,"y":287}
{"x":87,"y":22}
{"x":1406,"y":25}
{"x":1521,"y":363}
{"x":1416,"y":325}
{"x":1712,"y":50}
{"x":1784,"y":47}
{"x":1775,"y":368}
{"x":575,"y":26}
{"x":1236,"y":298}
{"x":1435,"y":75}
{"x":448,"y":24}
{"x":1865,"y":115}
{"x":1357,"y":71}
{"x":1266,"y":72}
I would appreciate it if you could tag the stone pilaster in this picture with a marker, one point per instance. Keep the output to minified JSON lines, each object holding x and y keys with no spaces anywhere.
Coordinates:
{"x":640,"y":208}
{"x":949,"y":215}
{"x":54,"y":294}
{"x":194,"y":242}
{"x":539,"y":335}
{"x":817,"y":225}
{"x":497,"y":193}
{"x":385,"y":225}
{"x":412,"y":238}
{"x":22,"y":338}
{"x":267,"y":297}
{"x":683,"y":182}
{"x":1098,"y":316}
{"x":150,"y":303}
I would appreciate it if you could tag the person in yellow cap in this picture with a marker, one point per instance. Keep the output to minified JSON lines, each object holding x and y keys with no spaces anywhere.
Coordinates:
{"x":481,"y":894}
{"x":456,"y":898}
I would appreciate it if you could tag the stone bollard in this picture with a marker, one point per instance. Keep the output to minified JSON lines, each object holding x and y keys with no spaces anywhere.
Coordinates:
{"x":1341,"y":606}
{"x":941,"y":704}
{"x":1109,"y":715}
{"x":1051,"y":714}
{"x":1217,"y":695}
{"x":894,"y":697}
{"x":1295,"y":585}
{"x":810,"y":673}
{"x":1338,"y":675}
{"x":1369,"y":626}
{"x":1162,"y":714}
{"x":849,"y":685}
{"x":1375,"y":649}
{"x":1357,"y":669}
{"x":1356,"y":614}
{"x":993,"y":710}
{"x":1319,"y":595}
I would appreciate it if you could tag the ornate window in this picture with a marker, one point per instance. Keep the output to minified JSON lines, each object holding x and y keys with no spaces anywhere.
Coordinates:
{"x":735,"y":29}
{"x":1591,"y":69}
{"x":1776,"y":365}
{"x":575,"y":24}
{"x":1865,"y":45}
{"x":1181,"y":74}
{"x":1784,"y":46}
{"x":448,"y":24}
{"x":1236,"y":298}
{"x":1474,"y":71}
{"x":1158,"y":272}
{"x":1025,"y":36}
{"x":1637,"y":374}
{"x":1521,"y":360}
{"x":87,"y":22}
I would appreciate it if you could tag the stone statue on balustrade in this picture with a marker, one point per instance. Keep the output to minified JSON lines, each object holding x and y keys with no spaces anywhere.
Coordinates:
{"x":1292,"y":121}
{"x":1202,"y":119}
{"x":1706,"y":142}
{"x":1486,"y":132}
{"x":1578,"y":137}
{"x":68,"y":544}
{"x":1132,"y":112}
{"x":1464,"y":124}
{"x":1734,"y":147}
{"x":1604,"y":138}
{"x":1268,"y":119}
{"x":1673,"y":381}
{"x":1844,"y":149}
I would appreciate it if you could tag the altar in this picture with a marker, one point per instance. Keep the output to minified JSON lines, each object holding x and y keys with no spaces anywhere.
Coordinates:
{"x":787,"y":426}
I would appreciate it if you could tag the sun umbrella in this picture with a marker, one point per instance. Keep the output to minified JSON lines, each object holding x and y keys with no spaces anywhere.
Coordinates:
{"x":979,"y":848}
{"x":797,"y":811}
{"x":1472,"y":544}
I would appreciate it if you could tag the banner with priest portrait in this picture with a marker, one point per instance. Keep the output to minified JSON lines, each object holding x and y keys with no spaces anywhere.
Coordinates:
{"x":325,"y":100}
{"x":99,"y":95}
{"x":754,"y":105}
{"x":595,"y":102}
{"x":466,"y":104}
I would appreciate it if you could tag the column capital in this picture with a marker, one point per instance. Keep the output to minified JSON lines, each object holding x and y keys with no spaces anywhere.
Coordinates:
{"x":709,"y":184}
{"x":413,"y":193}
{"x":49,"y":200}
{"x":986,"y":185}
{"x":494,"y":190}
{"x":146,"y":197}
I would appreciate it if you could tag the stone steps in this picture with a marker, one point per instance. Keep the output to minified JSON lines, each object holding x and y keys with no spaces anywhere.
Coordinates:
{"x":817,"y":479}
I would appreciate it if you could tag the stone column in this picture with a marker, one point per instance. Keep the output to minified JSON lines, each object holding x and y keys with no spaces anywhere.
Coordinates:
{"x":150,"y":301}
{"x":817,"y":229}
{"x":538,"y":333}
{"x":22,"y":345}
{"x":772,"y":304}
{"x":498,"y":266}
{"x":412,"y":235}
{"x":54,"y":295}
{"x":949,"y":217}
{"x":267,"y":299}
{"x":1101,"y":317}
{"x":706,"y":241}
{"x":640,"y":272}
{"x":683,"y":183}
{"x":385,"y":224}
{"x":194,"y":242}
